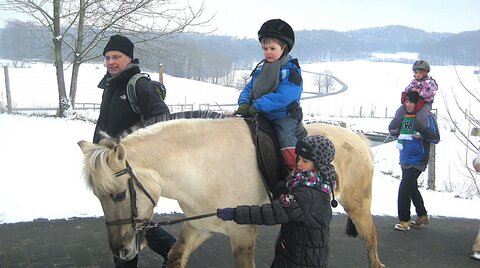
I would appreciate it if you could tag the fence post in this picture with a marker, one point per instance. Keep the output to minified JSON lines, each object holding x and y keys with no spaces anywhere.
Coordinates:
{"x":431,"y":161}
{"x":7,"y":89}
{"x":160,"y":73}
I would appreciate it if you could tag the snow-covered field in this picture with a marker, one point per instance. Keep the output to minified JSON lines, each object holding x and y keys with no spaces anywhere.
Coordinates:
{"x":41,"y":162}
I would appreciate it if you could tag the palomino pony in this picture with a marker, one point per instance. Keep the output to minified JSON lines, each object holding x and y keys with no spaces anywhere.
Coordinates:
{"x":476,"y":246}
{"x":207,"y":164}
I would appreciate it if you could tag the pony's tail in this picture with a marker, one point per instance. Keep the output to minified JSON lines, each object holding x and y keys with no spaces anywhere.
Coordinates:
{"x":351,"y":229}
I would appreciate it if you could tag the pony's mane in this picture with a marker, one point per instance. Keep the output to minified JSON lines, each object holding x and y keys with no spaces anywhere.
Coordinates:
{"x":98,"y":175}
{"x":168,"y":117}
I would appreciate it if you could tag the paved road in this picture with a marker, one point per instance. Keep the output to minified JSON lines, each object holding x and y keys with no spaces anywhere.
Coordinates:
{"x":82,"y":242}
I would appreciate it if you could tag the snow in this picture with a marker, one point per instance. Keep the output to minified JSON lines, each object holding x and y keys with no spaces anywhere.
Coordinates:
{"x":398,"y":55}
{"x":41,"y":161}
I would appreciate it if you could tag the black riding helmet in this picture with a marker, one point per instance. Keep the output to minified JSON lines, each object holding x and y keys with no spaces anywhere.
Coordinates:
{"x":279,"y":29}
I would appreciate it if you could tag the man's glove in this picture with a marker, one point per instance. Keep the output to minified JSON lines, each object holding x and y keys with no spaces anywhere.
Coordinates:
{"x":226,"y":214}
{"x":394,"y":132}
{"x":243,"y":109}
{"x":252,"y":111}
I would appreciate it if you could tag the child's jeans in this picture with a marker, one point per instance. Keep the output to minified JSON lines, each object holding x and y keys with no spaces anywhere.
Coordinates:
{"x":421,"y":119}
{"x":285,"y":128}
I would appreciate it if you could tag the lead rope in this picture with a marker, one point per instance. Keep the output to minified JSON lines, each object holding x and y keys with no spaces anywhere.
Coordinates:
{"x":171,"y":222}
{"x":383,"y":142}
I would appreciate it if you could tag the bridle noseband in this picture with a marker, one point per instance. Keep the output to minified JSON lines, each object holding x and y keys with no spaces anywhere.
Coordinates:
{"x":133,"y":220}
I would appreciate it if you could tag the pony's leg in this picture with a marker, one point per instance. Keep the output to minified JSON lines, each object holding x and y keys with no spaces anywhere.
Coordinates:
{"x":243,"y":240}
{"x":476,"y":246}
{"x":363,"y":221}
{"x":190,"y":239}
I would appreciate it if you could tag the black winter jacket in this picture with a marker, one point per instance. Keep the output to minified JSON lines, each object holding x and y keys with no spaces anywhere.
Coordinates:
{"x":305,"y":215}
{"x":116,"y":115}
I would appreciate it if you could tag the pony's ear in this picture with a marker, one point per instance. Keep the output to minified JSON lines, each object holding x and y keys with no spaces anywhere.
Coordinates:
{"x":86,"y":146}
{"x":120,"y":152}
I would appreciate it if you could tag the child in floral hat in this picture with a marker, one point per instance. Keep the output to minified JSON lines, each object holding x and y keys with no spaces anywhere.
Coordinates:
{"x":304,"y":212}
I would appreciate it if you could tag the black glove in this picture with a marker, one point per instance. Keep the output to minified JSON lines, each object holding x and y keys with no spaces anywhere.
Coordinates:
{"x":252,"y":111}
{"x":243,"y":109}
{"x":394,"y":132}
{"x":226,"y":214}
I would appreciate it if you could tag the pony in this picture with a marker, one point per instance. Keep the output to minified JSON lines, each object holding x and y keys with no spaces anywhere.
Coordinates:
{"x":207,"y":164}
{"x":476,"y":246}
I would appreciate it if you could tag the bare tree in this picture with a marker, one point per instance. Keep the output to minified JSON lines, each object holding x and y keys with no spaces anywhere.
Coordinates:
{"x":242,"y":81}
{"x":324,"y":82}
{"x":80,"y":26}
{"x":465,"y":124}
{"x":318,"y":82}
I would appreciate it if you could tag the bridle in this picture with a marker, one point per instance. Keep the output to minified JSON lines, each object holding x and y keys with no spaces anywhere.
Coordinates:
{"x":145,"y":224}
{"x":133,"y":220}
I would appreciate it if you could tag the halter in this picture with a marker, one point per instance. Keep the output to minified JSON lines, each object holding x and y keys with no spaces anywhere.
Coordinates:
{"x":133,"y":220}
{"x":145,"y":223}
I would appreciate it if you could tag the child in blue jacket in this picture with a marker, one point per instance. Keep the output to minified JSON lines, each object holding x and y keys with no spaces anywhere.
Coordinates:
{"x":276,"y":85}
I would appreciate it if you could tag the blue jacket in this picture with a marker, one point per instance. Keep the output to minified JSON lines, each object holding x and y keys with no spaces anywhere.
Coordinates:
{"x":274,"y":104}
{"x":417,"y":150}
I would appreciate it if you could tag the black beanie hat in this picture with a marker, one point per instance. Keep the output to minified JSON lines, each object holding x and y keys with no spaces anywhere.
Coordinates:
{"x":321,"y":151}
{"x":279,"y":29}
{"x":119,"y":43}
{"x":412,"y":96}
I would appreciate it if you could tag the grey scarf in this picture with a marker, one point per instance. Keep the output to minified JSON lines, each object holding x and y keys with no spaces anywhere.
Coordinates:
{"x":268,"y":79}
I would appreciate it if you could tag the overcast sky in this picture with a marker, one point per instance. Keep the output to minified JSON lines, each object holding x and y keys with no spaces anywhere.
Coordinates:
{"x":243,"y":18}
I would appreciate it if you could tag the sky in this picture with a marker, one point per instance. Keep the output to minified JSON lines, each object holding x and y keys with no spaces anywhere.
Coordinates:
{"x":41,"y":161}
{"x":244,"y":18}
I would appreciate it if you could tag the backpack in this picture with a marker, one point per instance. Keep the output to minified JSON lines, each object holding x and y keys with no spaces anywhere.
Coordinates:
{"x":434,"y":136}
{"x":160,"y":90}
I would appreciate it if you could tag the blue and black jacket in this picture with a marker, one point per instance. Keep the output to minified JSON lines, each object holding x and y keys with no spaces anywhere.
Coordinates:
{"x":417,"y":150}
{"x":276,"y":103}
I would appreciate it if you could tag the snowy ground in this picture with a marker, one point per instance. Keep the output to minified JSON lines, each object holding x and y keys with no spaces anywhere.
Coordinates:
{"x":41,"y":162}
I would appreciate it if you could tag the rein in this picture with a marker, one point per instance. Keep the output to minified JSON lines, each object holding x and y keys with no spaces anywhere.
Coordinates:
{"x":256,"y":125}
{"x":145,"y":223}
{"x":133,"y":201}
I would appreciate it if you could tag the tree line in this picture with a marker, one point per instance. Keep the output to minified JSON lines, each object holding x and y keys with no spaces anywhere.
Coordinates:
{"x":74,"y":30}
{"x":212,"y":58}
{"x":73,"y":38}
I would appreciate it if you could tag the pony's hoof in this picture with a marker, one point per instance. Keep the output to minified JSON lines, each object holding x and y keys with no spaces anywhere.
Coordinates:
{"x":475,"y":256}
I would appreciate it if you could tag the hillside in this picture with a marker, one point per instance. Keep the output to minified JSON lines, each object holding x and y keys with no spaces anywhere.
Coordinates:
{"x":212,"y":57}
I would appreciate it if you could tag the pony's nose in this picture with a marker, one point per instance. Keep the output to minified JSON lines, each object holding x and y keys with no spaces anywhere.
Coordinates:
{"x":123,"y":253}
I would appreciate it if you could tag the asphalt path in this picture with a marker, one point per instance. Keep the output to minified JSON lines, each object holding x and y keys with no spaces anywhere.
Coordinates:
{"x":82,"y":242}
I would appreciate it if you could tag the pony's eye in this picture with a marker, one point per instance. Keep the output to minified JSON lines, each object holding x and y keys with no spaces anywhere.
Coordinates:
{"x":118,"y":196}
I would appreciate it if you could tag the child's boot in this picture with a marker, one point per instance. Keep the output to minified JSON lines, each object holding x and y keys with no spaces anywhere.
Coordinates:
{"x":289,"y":157}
